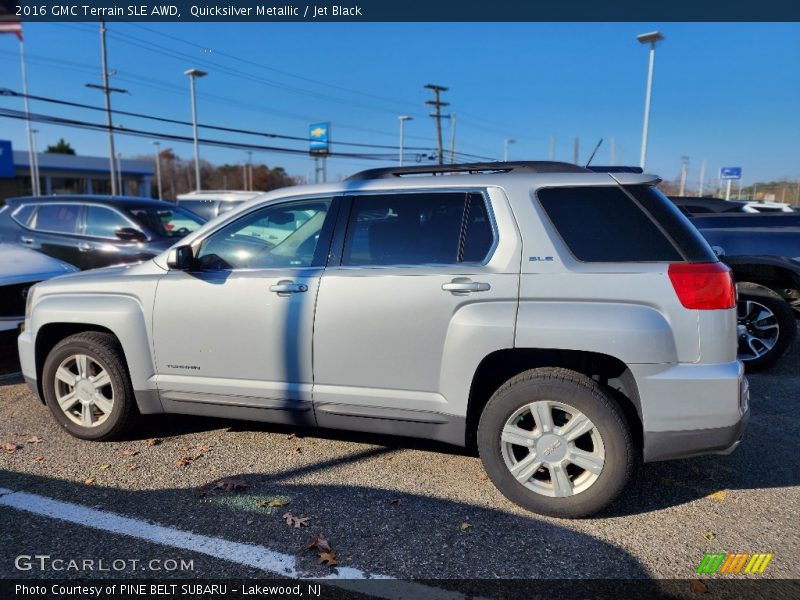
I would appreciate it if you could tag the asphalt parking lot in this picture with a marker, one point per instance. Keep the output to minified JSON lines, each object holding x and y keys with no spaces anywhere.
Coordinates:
{"x":388,"y":506}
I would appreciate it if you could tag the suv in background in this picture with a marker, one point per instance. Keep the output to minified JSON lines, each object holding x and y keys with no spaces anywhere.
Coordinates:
{"x":567,"y":322}
{"x":95,"y":231}
{"x":210,"y":204}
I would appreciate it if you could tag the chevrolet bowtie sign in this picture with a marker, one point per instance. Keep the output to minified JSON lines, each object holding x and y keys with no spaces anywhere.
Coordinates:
{"x":319,"y":138}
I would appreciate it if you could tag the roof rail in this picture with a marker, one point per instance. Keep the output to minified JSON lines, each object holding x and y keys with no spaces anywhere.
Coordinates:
{"x":542,"y":166}
{"x":615,"y":169}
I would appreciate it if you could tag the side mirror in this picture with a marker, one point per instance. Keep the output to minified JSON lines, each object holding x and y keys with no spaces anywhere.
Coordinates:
{"x":180,"y":258}
{"x":129,"y":234}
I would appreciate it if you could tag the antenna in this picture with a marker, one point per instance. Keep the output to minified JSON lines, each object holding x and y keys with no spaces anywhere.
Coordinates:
{"x":596,"y":148}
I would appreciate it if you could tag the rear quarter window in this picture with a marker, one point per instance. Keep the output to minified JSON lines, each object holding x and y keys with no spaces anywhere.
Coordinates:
{"x":606,"y":224}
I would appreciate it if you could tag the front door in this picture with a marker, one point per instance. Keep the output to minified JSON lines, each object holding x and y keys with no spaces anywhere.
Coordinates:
{"x":236,"y":329}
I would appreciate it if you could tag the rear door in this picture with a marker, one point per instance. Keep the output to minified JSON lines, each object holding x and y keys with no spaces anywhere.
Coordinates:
{"x":54,"y":231}
{"x":400,"y":309}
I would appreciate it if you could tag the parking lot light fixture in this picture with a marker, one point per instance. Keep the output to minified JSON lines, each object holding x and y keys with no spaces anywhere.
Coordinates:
{"x":194,"y":74}
{"x":403,"y":119}
{"x":648,"y":38}
{"x":506,"y":144}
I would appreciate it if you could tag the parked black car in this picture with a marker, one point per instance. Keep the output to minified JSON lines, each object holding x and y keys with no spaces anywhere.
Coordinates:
{"x":95,"y":231}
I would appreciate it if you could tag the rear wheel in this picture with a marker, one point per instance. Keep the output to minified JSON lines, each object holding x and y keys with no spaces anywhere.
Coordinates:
{"x":765,"y":326}
{"x":554,"y":442}
{"x":87,"y":388}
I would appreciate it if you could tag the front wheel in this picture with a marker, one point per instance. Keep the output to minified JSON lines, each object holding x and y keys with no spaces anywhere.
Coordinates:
{"x":87,"y":388}
{"x":765,"y":326}
{"x":554,"y":442}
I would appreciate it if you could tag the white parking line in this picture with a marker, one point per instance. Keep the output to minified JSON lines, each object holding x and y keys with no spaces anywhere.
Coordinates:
{"x":258,"y":557}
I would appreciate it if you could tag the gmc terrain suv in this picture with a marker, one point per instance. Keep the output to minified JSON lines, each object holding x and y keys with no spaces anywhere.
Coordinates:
{"x":568,"y":322}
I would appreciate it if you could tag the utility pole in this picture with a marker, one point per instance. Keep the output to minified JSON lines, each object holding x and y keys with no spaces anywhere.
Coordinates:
{"x":553,"y":146}
{"x":453,"y":139}
{"x":107,"y":91}
{"x":250,"y":170}
{"x":437,"y":104}
{"x":702,"y":178}
{"x":684,"y":168}
{"x":158,"y":169}
{"x":119,"y":173}
{"x":35,"y":165}
{"x":575,"y":151}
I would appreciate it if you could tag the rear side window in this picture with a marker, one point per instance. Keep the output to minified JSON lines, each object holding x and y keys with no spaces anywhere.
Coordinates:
{"x":59,"y":218}
{"x":205,"y":208}
{"x":418,"y":229}
{"x":23,"y":214}
{"x":604,"y":224}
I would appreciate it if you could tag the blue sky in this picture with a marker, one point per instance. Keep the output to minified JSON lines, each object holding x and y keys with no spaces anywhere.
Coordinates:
{"x":726,"y":93}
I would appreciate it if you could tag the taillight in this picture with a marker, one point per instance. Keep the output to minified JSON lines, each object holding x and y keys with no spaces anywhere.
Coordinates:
{"x":703,"y":286}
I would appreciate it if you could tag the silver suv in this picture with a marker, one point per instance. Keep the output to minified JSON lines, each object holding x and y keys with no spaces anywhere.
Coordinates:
{"x":565,"y":321}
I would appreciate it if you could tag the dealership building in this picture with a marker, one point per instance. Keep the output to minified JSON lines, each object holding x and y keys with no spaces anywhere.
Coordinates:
{"x":70,"y":174}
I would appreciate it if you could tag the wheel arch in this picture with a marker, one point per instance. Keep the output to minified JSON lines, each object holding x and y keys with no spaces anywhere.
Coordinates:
{"x":501,"y":365}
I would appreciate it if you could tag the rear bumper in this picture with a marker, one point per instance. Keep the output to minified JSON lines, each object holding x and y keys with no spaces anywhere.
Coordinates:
{"x":689,"y":410}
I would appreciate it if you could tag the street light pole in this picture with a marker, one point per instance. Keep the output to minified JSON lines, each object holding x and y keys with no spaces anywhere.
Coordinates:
{"x":119,"y":173}
{"x":402,"y":119}
{"x":507,"y":142}
{"x":35,"y":165}
{"x":194,"y":74}
{"x":648,"y":38}
{"x":158,"y":168}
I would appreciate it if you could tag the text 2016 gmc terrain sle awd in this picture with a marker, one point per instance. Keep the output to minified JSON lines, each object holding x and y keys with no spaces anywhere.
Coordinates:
{"x":566,"y":321}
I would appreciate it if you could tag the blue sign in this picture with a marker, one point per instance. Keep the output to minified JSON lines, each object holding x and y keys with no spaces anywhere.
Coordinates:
{"x":319,"y":138}
{"x":6,"y":160}
{"x":730,"y":173}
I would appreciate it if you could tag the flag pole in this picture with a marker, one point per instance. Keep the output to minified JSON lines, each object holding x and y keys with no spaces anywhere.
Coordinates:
{"x":31,"y":157}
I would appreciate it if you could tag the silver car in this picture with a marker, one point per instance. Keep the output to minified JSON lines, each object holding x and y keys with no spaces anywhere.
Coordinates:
{"x":567,"y":322}
{"x":20,"y":268}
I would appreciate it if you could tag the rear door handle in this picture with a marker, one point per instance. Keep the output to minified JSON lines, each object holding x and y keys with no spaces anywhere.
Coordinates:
{"x":465,"y":285}
{"x":26,"y":240}
{"x":85,"y":247}
{"x":287,"y":286}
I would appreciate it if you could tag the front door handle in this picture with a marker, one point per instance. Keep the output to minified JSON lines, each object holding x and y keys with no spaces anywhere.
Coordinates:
{"x":85,"y":247}
{"x":464,"y":285}
{"x":287,"y":286}
{"x":26,"y":240}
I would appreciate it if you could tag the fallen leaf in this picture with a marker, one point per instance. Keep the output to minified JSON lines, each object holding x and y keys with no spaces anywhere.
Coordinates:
{"x":184,"y":461}
{"x":231,"y":484}
{"x":272,"y":503}
{"x":129,"y":452}
{"x":152,"y":442}
{"x":10,"y":447}
{"x":395,"y":501}
{"x":132,"y":466}
{"x":105,"y":467}
{"x":249,"y":522}
{"x":89,"y":480}
{"x":203,"y":448}
{"x":709,"y":535}
{"x":465,"y":526}
{"x":320,"y":542}
{"x":717,"y":496}
{"x":295,"y":451}
{"x":293,"y":521}
{"x":698,"y":586}
{"x":34,"y":439}
{"x":328,"y":558}
{"x":38,"y":458}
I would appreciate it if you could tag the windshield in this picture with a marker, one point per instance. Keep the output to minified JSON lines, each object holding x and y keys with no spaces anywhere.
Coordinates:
{"x":170,"y":222}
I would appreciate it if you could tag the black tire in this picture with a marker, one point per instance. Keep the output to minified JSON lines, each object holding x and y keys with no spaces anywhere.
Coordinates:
{"x":581,"y":393}
{"x":105,"y":349}
{"x":783,"y":317}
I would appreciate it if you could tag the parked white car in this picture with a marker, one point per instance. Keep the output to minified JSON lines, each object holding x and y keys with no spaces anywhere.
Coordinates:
{"x":20,"y":268}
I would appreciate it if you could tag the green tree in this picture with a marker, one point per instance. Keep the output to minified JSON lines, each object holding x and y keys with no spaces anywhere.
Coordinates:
{"x":61,"y":147}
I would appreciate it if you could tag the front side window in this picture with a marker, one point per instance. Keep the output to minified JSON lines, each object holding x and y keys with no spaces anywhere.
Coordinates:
{"x":23,"y":214}
{"x":418,"y":229}
{"x":282,"y":236}
{"x":168,"y":222}
{"x":58,"y":218}
{"x":104,"y":222}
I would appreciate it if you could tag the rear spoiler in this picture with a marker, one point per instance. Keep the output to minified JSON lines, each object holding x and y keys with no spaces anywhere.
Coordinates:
{"x":616,"y":169}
